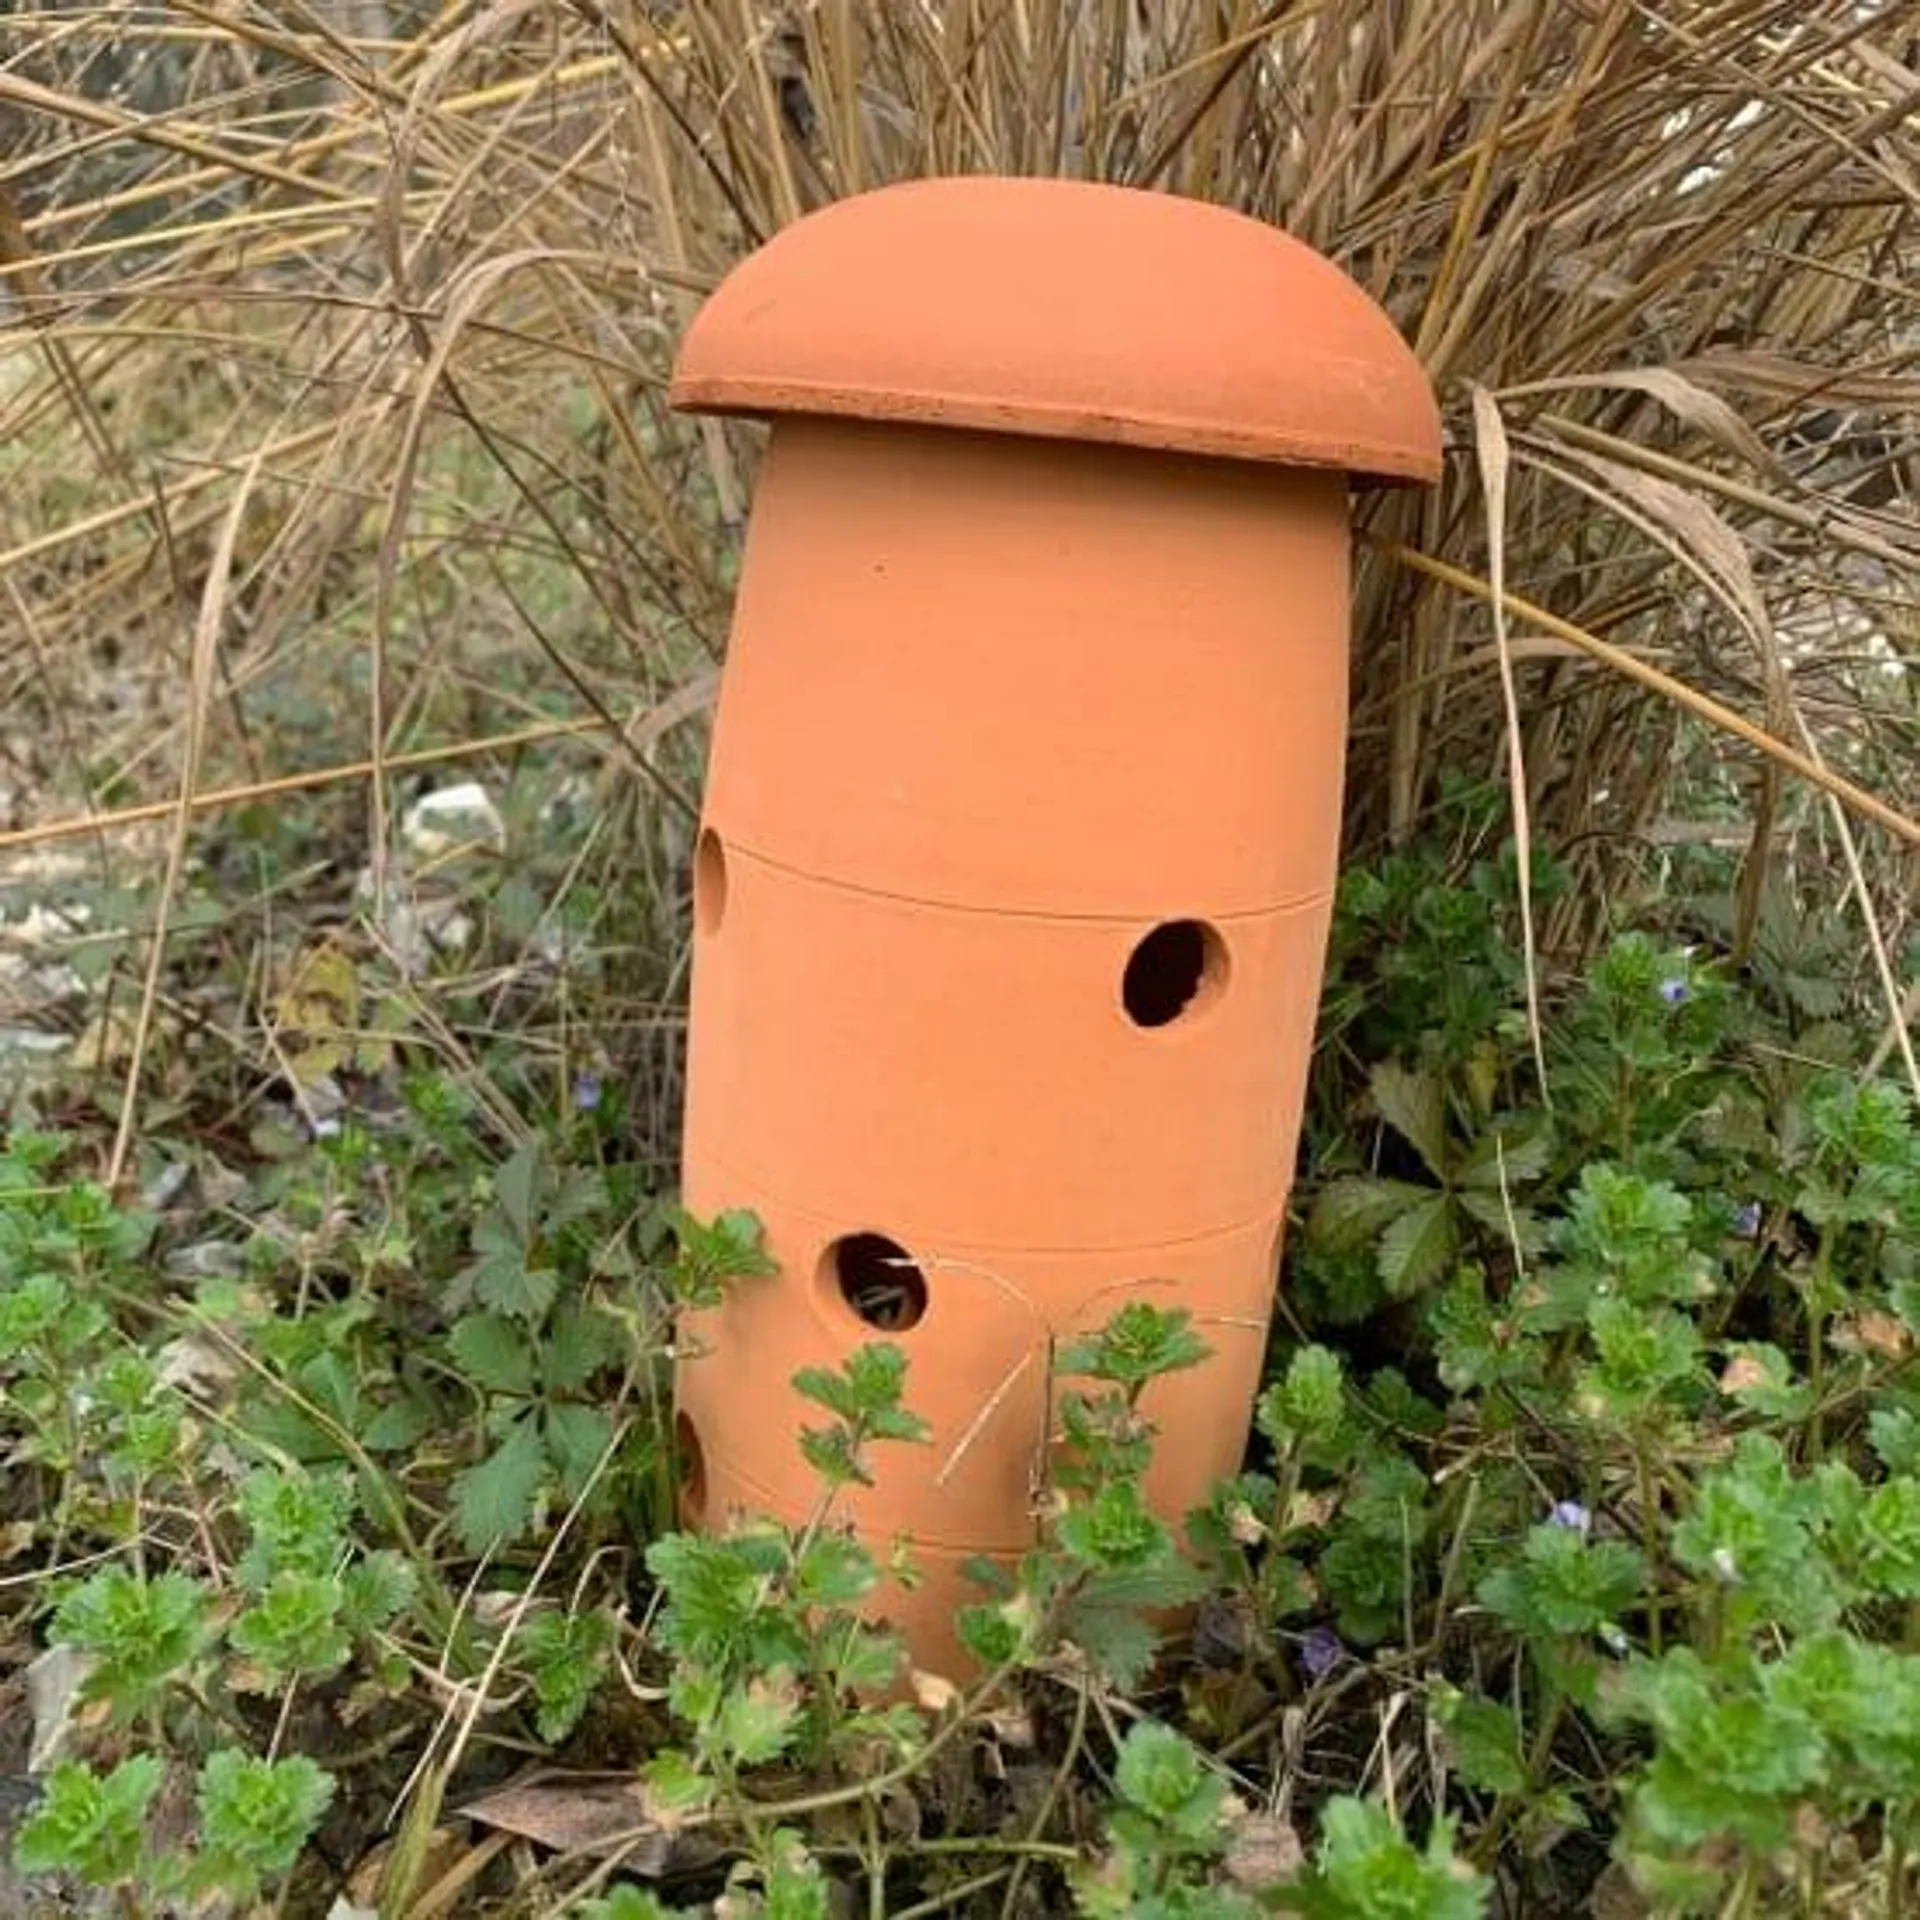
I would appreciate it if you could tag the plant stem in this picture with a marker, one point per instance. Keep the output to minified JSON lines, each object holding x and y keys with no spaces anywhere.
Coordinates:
{"x":942,"y":1902}
{"x":1283,"y":1500}
{"x":1740,"y":1903}
{"x":1817,"y":1341}
{"x":1815,"y":1896}
{"x":1037,"y":1825}
{"x":901,"y":1770}
{"x":1486,"y":1848}
{"x":958,"y":1846}
{"x":876,"y":1861}
{"x":1450,"y":1568}
{"x":1649,"y":1537}
{"x":1897,"y":1863}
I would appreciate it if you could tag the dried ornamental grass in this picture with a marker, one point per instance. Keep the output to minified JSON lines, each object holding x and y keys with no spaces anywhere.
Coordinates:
{"x":389,"y":293}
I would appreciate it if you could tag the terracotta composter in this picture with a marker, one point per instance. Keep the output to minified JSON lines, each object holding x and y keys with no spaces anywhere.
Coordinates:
{"x":1012,"y":892}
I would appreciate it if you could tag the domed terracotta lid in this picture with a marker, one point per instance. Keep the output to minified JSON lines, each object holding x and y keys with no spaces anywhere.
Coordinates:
{"x":1068,"y":310}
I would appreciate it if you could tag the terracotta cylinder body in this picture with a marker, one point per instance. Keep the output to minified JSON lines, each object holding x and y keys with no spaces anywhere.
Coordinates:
{"x":997,"y":716}
{"x":1011,"y":901}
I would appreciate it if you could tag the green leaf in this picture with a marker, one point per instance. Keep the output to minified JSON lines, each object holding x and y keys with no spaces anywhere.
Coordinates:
{"x":256,"y":1815}
{"x":1903,"y":1296}
{"x":1564,"y":1583}
{"x":1111,"y":1616}
{"x":493,"y":1501}
{"x":794,"y":1887}
{"x":1891,"y":1538}
{"x":1307,"y":1407}
{"x":507,"y":1284}
{"x":141,"y":1633}
{"x":576,"y":1344}
{"x":517,"y":1185}
{"x":899,"y":1423}
{"x":579,"y":1194}
{"x":493,"y":1353}
{"x":834,"y":1570}
{"x":1115,"y":1529}
{"x":297,"y":1521}
{"x":1351,"y":1211}
{"x":1138,"y":1344}
{"x":1621,"y":1219}
{"x":576,"y":1438}
{"x":831,"y":1453}
{"x":375,"y":1591}
{"x":1510,"y":1154}
{"x":719,"y":1597}
{"x":295,"y":1626}
{"x":711,"y":1255}
{"x":627,"y":1903}
{"x":1415,"y":1248}
{"x":866,"y":1394}
{"x":1163,"y":1775}
{"x":1374,"y":1538}
{"x":1414,"y":1105}
{"x":1512,"y":1226}
{"x":675,"y":1786}
{"x":566,"y":1656}
{"x":995,"y":1633}
{"x":1485,"y":1740}
{"x":863,"y":1660}
{"x":1750,"y":1532}
{"x":1729,"y":1759}
{"x":1315,"y":1392}
{"x":399,"y":1426}
{"x":1642,"y":1357}
{"x":1365,"y":1868}
{"x":828,"y":1389}
{"x":89,"y":1825}
{"x":1758,"y":1375}
{"x":877,"y":1374}
{"x":1895,"y":1433}
{"x":757,"y":1722}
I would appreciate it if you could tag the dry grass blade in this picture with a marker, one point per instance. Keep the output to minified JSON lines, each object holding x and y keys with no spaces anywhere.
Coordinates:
{"x":1490,"y":444}
{"x":1868,"y":805}
{"x":206,"y":641}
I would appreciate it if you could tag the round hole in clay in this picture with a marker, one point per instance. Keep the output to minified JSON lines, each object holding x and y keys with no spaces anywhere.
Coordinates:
{"x":878,"y":1279}
{"x":709,"y":882}
{"x":1173,"y":971}
{"x":691,"y":1461}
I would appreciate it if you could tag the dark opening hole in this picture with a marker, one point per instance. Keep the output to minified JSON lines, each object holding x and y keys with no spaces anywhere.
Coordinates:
{"x":691,"y":1460}
{"x":1179,"y":965}
{"x":709,"y":881}
{"x":878,"y":1279}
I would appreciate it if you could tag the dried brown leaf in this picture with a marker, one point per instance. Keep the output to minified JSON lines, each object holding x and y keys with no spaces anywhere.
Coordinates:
{"x":1263,"y":1851}
{"x":578,"y":1817}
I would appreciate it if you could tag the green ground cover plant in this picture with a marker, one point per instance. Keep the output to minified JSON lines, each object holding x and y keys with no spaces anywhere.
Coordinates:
{"x":1626,"y":1529}
{"x":362,"y":605}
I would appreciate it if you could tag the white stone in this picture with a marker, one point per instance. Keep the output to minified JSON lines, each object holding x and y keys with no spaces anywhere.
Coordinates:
{"x":53,"y":1684}
{"x":451,"y":818}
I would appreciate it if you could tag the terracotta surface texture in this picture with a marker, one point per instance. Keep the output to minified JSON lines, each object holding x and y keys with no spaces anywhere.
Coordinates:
{"x":1069,"y":310}
{"x":1012,"y":891}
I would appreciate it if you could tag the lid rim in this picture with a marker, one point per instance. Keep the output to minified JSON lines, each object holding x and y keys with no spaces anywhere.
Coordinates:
{"x":1375,"y":462}
{"x":1066,"y":310}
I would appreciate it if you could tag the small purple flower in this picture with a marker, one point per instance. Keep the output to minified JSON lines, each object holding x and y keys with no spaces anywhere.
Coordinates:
{"x":1746,"y":1220}
{"x":1571,"y":1515}
{"x":586,"y":1090}
{"x":1321,"y":1651}
{"x":1675,"y":991}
